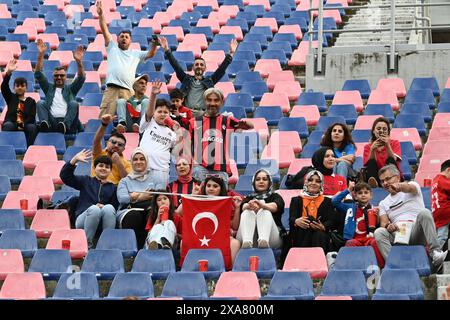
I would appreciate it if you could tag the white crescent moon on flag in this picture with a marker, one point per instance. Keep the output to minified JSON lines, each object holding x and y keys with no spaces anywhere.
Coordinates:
{"x":205,"y":215}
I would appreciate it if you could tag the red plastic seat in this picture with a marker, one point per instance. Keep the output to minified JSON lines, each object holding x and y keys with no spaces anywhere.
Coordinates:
{"x":298,"y":57}
{"x":88,"y":113}
{"x":276,"y":99}
{"x":407,"y":134}
{"x":436,"y":147}
{"x":12,"y":201}
{"x":194,"y":47}
{"x":30,"y":31}
{"x":333,"y":14}
{"x":198,"y":39}
{"x":221,"y":17}
{"x":163,"y":18}
{"x":49,"y":169}
{"x":431,"y":163}
{"x":283,"y":154}
{"x":42,"y":186}
{"x":277,"y":76}
{"x":65,"y":57}
{"x":23,"y":286}
{"x":291,"y":88}
{"x":365,"y":122}
{"x":294,"y":29}
{"x":51,"y":38}
{"x":11,"y":261}
{"x":265,"y":3}
{"x":240,"y":285}
{"x":395,"y":84}
{"x":235,"y":30}
{"x":230,"y":10}
{"x":24,"y":65}
{"x":78,"y":242}
{"x":267,"y":22}
{"x":441,"y":120}
{"x":216,"y":56}
{"x":46,"y":221}
{"x":71,"y":9}
{"x":311,"y":260}
{"x":34,"y":154}
{"x":298,"y":164}
{"x":439,"y":133}
{"x":286,"y":138}
{"x":92,"y":23}
{"x":333,"y":298}
{"x":10,"y":46}
{"x":287,"y":195}
{"x":178,"y":31}
{"x":213,"y":23}
{"x":266,"y":66}
{"x":5,"y":56}
{"x":349,"y":97}
{"x":59,"y":3}
{"x":212,"y":3}
{"x":38,"y":23}
{"x":150,"y":23}
{"x":132,"y":3}
{"x":384,"y":96}
{"x":309,"y":112}
{"x":260,"y":126}
{"x":225,"y":87}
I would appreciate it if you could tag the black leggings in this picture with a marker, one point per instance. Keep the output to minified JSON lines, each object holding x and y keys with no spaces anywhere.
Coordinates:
{"x":372,"y":168}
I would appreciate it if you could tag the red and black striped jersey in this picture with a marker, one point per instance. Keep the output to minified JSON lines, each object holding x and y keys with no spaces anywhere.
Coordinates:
{"x":182,"y":188}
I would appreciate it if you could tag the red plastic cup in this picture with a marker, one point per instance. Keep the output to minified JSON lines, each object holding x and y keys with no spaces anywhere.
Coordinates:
{"x":169,"y":122}
{"x":202,"y":265}
{"x":24,"y":204}
{"x":165,"y":213}
{"x":427,"y":182}
{"x":254,"y":261}
{"x":65,"y":244}
{"x":373,"y":218}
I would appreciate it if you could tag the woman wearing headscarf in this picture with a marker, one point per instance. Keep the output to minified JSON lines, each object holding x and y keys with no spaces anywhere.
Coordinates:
{"x":185,"y":182}
{"x":133,"y":201}
{"x":311,"y":215}
{"x":261,"y":214}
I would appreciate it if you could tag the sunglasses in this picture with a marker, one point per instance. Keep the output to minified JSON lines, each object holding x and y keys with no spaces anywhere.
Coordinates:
{"x":59,"y":75}
{"x":115,"y":142}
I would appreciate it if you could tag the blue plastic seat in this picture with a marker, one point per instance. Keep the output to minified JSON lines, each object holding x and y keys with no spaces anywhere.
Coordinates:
{"x":405,"y":281}
{"x":77,"y":286}
{"x":60,"y":31}
{"x":135,"y":17}
{"x":443,"y":107}
{"x":237,"y":111}
{"x":123,"y":23}
{"x":325,"y":122}
{"x":207,"y":31}
{"x":216,"y":264}
{"x":5,"y":186}
{"x":265,"y":30}
{"x":384,"y":110}
{"x":19,"y":37}
{"x":250,"y":17}
{"x":225,"y":47}
{"x":88,"y":87}
{"x":286,"y":37}
{"x":145,"y":31}
{"x":246,"y":76}
{"x":122,"y":239}
{"x":244,"y":185}
{"x":188,"y":285}
{"x":85,"y":3}
{"x":408,"y":152}
{"x":356,"y":258}
{"x":9,"y":23}
{"x":243,"y":155}
{"x":11,"y":219}
{"x":22,"y":15}
{"x":378,"y":195}
{"x":51,"y":263}
{"x":279,"y":55}
{"x":251,"y":139}
{"x":300,"y":21}
{"x":125,"y":11}
{"x":93,"y":99}
{"x":266,"y":265}
{"x":30,"y":55}
{"x":158,"y":59}
{"x":316,"y":136}
{"x":104,"y":263}
{"x":297,"y":285}
{"x":258,"y":10}
{"x":411,"y":120}
{"x":136,"y":284}
{"x":159,"y":263}
{"x":83,"y":169}
{"x":90,"y":32}
{"x":7,"y":152}
{"x":406,"y":169}
{"x":78,"y":38}
{"x":257,"y":37}
{"x":43,"y":10}
{"x":421,"y":95}
{"x":51,"y":139}
{"x":84,"y":140}
{"x":313,"y":98}
{"x":251,"y":46}
{"x":309,"y":149}
{"x":419,"y":107}
{"x":54,"y":15}
{"x":426,"y":83}
{"x":67,"y":46}
{"x":270,"y":165}
{"x":345,"y":283}
{"x":390,"y":297}
{"x":192,"y":17}
{"x":240,"y":23}
{"x":255,"y":88}
{"x":168,"y":70}
{"x":246,"y":55}
{"x":315,"y":37}
{"x":146,"y":67}
{"x":445,"y":95}
{"x":294,"y":124}
{"x":237,"y":66}
{"x":362,"y":86}
{"x":409,"y":257}
{"x":238,"y":3}
{"x":279,"y":16}
{"x":24,"y":240}
{"x":281,"y":45}
{"x":60,"y":196}
{"x":13,"y":169}
{"x":347,"y":111}
{"x":72,"y":70}
{"x":272,"y":114}
{"x":96,"y":57}
{"x":203,"y":10}
{"x":181,"y":23}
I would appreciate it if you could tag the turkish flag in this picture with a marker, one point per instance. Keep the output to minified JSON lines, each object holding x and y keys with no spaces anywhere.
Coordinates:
{"x":206,"y":225}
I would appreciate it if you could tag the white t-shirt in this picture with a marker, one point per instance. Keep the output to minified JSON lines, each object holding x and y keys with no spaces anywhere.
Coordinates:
{"x":403,"y":206}
{"x":122,"y":65}
{"x":157,"y":141}
{"x":58,"y":109}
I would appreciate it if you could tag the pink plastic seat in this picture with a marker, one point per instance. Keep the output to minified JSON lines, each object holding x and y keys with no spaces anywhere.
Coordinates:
{"x":294,"y":29}
{"x":305,"y":6}
{"x":93,"y":76}
{"x":195,"y":48}
{"x":230,"y":10}
{"x":5,"y":56}
{"x":436,"y":147}
{"x":311,"y":260}
{"x":384,"y":96}
{"x":234,"y":172}
{"x":216,"y":56}
{"x":287,"y":195}
{"x":132,"y":3}
{"x":234,"y":30}
{"x":407,"y":134}
{"x":49,"y":169}
{"x":333,"y":298}
{"x":24,"y":65}
{"x":277,"y":76}
{"x":365,"y":122}
{"x":441,"y":120}
{"x":431,"y":163}
{"x":38,"y":23}
{"x":42,"y":186}
{"x":33,"y":95}
{"x":260,"y":126}
{"x":109,"y":15}
{"x":51,"y":38}
{"x":4,"y":13}
{"x":11,"y":46}
{"x":88,"y":113}
{"x":179,"y":8}
{"x":283,"y":154}
{"x":150,"y":23}
{"x":11,"y":261}
{"x":173,"y":82}
{"x":78,"y":242}
{"x":344,"y":3}
{"x":178,"y":31}
{"x":103,"y":69}
{"x":3,"y":115}
{"x":221,"y":17}
{"x":333,"y":14}
{"x":59,"y":3}
{"x":298,"y":164}
{"x":72,"y":9}
{"x":92,"y":23}
{"x":97,"y":47}
{"x":439,"y":133}
{"x":163,"y":18}
{"x":291,"y":88}
{"x":395,"y":84}
{"x":265,"y":3}
{"x":349,"y":97}
{"x":12,"y":201}
{"x":23,"y":286}
{"x":420,"y":176}
{"x":267,"y":22}
{"x":447,"y":83}
{"x":132,"y":139}
{"x":359,"y":146}
{"x":213,"y":23}
{"x":35,"y":154}
{"x":266,"y":66}
{"x":225,"y":87}
{"x":47,"y":221}
{"x":212,"y":3}
{"x":309,"y":112}
{"x":276,"y":99}
{"x":240,"y":285}
{"x":30,"y":31}
{"x":286,"y":138}
{"x":198,"y":39}
{"x":65,"y":57}
{"x":298,"y":57}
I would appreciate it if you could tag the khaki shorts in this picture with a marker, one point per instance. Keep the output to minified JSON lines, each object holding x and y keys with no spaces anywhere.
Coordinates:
{"x":109,"y":100}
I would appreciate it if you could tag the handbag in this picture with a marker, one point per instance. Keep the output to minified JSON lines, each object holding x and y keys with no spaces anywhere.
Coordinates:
{"x":336,"y":241}
{"x":135,"y":217}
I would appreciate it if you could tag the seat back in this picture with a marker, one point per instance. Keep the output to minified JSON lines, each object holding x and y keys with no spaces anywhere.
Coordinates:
{"x":266,"y":262}
{"x":137,"y":284}
{"x":122,"y":239}
{"x":292,"y":284}
{"x":216,"y":264}
{"x":185,"y":284}
{"x":159,"y":263}
{"x":80,"y":285}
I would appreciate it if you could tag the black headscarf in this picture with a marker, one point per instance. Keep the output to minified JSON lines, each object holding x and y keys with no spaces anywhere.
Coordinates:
{"x":263,"y":194}
{"x":317,"y":161}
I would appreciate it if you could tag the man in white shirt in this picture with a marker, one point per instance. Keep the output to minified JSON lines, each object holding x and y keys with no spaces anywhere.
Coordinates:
{"x":122,"y":64}
{"x":405,"y":203}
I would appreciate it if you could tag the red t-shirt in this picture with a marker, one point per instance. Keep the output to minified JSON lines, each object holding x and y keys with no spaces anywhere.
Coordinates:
{"x":440,"y":200}
{"x":185,"y":116}
{"x":333,"y":184}
{"x":360,"y":230}
{"x":381,"y":154}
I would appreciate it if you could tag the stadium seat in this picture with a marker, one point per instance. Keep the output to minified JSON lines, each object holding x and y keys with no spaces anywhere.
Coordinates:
{"x":309,"y":112}
{"x":297,"y":124}
{"x":35,"y":154}
{"x":15,"y":138}
{"x":51,"y":263}
{"x":12,"y":169}
{"x":255,"y":89}
{"x":104,"y":263}
{"x":287,"y":196}
{"x":234,"y":30}
{"x":344,"y":110}
{"x":387,"y":96}
{"x":5,"y":186}
{"x":23,"y":286}
{"x":86,"y":289}
{"x":246,"y":76}
{"x":409,"y":257}
{"x":51,"y":139}
{"x":365,"y":122}
{"x":356,"y":258}
{"x":408,"y":152}
{"x":297,"y":165}
{"x":407,"y":134}
{"x":9,"y":23}
{"x":11,"y":219}
{"x":244,"y":184}
{"x":311,"y":260}
{"x":405,"y":281}
{"x":256,"y":9}
{"x":290,"y":139}
{"x":426,"y":83}
{"x":395,"y":84}
{"x":45,"y":222}
{"x":159,"y":263}
{"x":349,"y":97}
{"x":259,"y":38}
{"x":276,"y":99}
{"x":313,"y":98}
{"x":121,"y":239}
{"x":277,"y":76}
{"x":11,"y":261}
{"x":240,"y":285}
{"x":362,"y":86}
{"x":291,"y":88}
{"x":23,"y":240}
{"x":188,"y":285}
{"x":136,"y":284}
{"x":441,"y":120}
{"x":78,"y":243}
{"x":421,"y":95}
{"x":445,"y":96}
{"x":29,"y":31}
{"x":247,"y":138}
{"x":413,"y":120}
{"x":237,"y":66}
{"x":384,"y":110}
{"x":291,"y":284}
{"x":345,"y":283}
{"x":390,"y":297}
{"x":215,"y":260}
{"x":272,"y":114}
{"x":266,"y":262}
{"x":267,"y":66}
{"x":270,"y":165}
{"x":260,"y":126}
{"x":41,"y":186}
{"x":325,"y":122}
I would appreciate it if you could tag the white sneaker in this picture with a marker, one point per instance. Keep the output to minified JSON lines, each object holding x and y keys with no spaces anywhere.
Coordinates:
{"x":263,"y":244}
{"x":439,"y":257}
{"x":247,"y":245}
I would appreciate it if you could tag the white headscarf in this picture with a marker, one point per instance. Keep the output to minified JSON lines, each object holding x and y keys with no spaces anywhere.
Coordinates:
{"x":140,"y":176}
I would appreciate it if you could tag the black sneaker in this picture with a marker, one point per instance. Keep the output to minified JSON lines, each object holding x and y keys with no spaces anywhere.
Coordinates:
{"x":165,"y":243}
{"x":43,"y":126}
{"x":61,"y":127}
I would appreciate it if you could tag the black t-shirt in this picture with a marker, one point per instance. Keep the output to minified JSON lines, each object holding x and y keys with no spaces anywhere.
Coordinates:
{"x":274,"y":197}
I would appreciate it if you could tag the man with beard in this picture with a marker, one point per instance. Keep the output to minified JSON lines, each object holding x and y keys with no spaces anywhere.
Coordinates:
{"x":59,"y":111}
{"x":193,"y":87}
{"x":122,"y":64}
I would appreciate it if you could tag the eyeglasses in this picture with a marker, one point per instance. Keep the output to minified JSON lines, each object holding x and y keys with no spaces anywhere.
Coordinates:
{"x":115,"y":142}
{"x":59,"y":75}
{"x":386,"y":179}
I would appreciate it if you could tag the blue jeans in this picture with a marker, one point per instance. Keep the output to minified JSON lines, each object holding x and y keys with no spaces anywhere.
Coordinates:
{"x":90,"y":219}
{"x":341,"y":168}
{"x":159,"y":179}
{"x":442,"y":235}
{"x":201,"y":172}
{"x":30,"y":130}
{"x":124,"y":116}
{"x":71,"y":120}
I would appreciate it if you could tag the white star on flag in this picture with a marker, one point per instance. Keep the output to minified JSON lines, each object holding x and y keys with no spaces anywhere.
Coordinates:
{"x":204,"y":241}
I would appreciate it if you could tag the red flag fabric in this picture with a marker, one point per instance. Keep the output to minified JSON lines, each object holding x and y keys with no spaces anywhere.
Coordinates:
{"x":206,"y":225}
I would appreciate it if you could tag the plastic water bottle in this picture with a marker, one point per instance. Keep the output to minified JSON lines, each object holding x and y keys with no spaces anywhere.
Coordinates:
{"x":331,"y":259}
